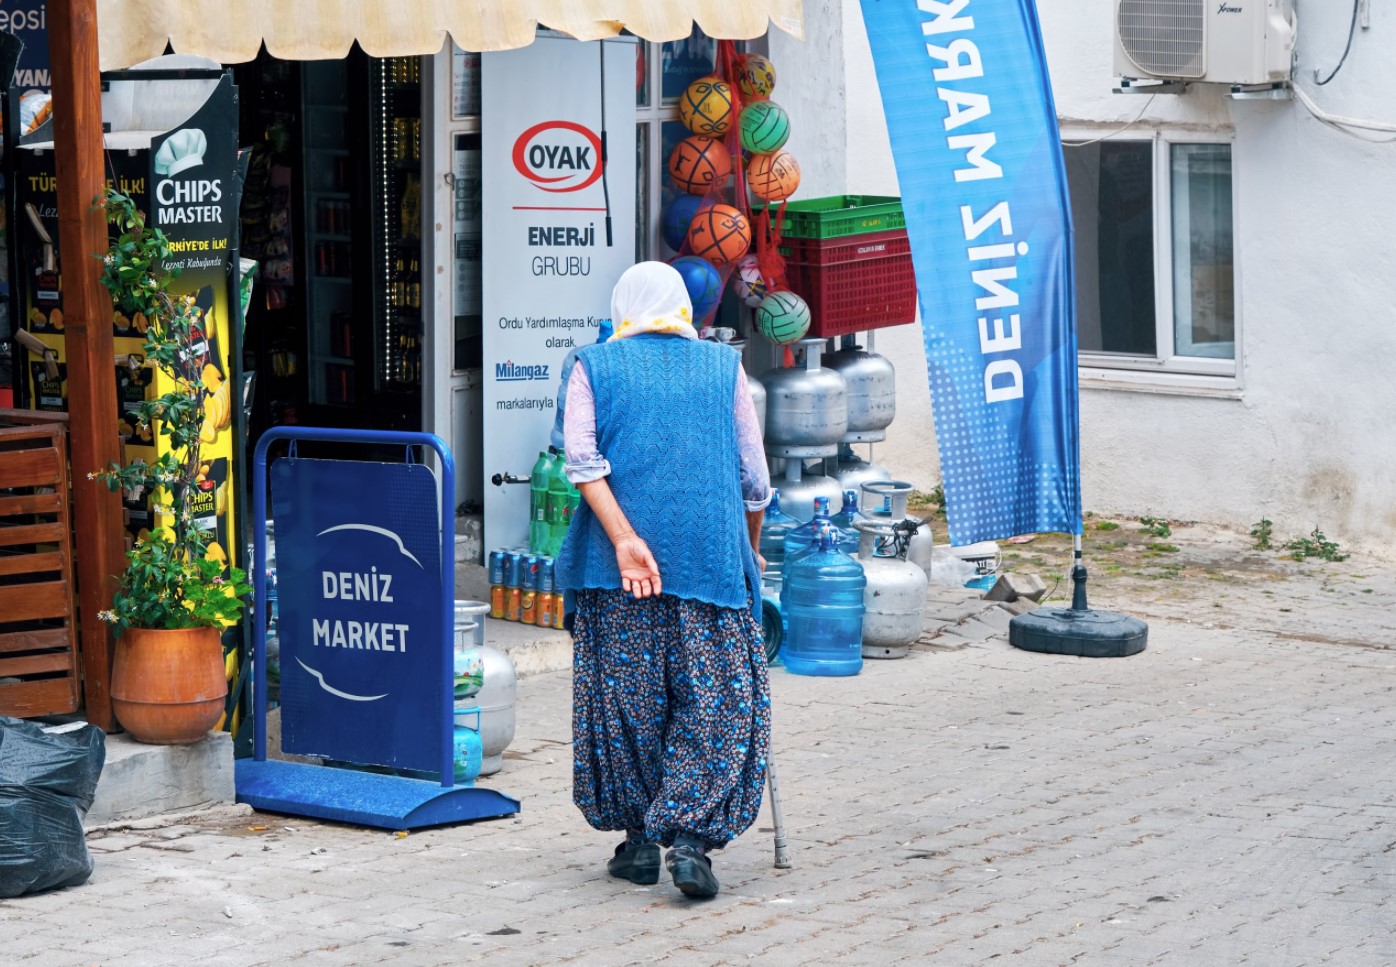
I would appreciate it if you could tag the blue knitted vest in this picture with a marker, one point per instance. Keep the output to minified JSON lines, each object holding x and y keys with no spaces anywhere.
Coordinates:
{"x":665,"y":422}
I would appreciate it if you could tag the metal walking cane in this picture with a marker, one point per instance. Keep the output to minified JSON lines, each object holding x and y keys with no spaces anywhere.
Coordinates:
{"x":771,"y":630}
{"x":777,"y":815}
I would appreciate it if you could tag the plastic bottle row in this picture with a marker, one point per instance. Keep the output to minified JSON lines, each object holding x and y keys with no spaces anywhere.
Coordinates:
{"x":552,"y":502}
{"x":522,"y":588}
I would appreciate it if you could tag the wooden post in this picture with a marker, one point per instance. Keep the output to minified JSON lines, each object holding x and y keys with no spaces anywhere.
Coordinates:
{"x":87,"y":310}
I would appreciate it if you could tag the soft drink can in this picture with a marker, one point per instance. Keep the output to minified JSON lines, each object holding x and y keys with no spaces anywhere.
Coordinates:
{"x":496,"y":562}
{"x":545,"y":574}
{"x":547,"y":603}
{"x":513,"y":569}
{"x":497,"y":594}
{"x":528,"y":607}
{"x":558,"y":600}
{"x":513,"y":604}
{"x":530,"y":573}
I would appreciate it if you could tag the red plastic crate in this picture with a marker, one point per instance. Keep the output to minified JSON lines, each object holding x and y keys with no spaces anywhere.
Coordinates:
{"x":854,"y":283}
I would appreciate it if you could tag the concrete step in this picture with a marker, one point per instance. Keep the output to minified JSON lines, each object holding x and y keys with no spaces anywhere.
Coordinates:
{"x":142,"y":780}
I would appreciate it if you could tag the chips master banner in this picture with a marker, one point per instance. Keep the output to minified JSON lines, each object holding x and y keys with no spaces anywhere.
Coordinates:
{"x":974,"y":137}
{"x":185,"y":183}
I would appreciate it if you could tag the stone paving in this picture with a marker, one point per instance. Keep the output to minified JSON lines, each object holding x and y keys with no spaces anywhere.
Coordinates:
{"x":1223,"y":798}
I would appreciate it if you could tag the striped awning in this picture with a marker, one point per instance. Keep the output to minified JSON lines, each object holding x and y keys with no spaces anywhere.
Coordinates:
{"x":232,"y":31}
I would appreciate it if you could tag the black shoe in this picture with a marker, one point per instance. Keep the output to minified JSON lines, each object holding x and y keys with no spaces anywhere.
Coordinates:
{"x":636,"y":862}
{"x":692,"y":871}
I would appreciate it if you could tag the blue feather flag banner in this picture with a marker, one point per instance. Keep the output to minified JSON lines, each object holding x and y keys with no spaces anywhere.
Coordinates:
{"x":974,"y":137}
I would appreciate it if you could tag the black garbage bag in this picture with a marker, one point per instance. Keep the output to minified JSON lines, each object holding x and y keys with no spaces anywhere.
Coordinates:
{"x":47,"y":781}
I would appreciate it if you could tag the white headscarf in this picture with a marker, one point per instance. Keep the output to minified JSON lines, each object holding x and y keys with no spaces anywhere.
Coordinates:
{"x":651,"y":297}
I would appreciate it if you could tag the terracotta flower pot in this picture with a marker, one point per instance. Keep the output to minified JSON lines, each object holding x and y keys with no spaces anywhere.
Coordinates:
{"x":168,"y":686}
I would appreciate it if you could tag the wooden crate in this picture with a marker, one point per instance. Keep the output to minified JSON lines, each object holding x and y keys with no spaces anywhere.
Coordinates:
{"x":38,"y":623}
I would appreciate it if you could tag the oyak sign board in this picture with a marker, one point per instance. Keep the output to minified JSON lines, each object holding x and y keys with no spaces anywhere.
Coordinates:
{"x":558,"y":172}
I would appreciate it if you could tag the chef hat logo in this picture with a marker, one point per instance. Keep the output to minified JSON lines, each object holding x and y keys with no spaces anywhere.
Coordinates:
{"x":181,"y":151}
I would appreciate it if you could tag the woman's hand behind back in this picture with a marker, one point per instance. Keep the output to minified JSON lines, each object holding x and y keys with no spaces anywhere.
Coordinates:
{"x":639,"y":572}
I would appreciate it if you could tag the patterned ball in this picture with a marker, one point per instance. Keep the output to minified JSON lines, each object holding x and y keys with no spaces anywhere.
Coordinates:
{"x":773,"y":177}
{"x":704,"y":284}
{"x":720,"y":234}
{"x":749,"y":282}
{"x":706,"y":107}
{"x":765,"y":127}
{"x":697,"y":163}
{"x":678,"y":216}
{"x":758,"y":76}
{"x":782,"y":317}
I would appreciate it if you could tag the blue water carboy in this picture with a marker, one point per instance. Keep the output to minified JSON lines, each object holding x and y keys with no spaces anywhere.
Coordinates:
{"x":773,"y":530}
{"x":822,"y":602}
{"x":849,"y":515}
{"x":807,"y":534}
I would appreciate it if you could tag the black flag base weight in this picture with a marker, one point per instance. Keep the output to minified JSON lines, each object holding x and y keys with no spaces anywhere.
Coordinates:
{"x":1078,"y":630}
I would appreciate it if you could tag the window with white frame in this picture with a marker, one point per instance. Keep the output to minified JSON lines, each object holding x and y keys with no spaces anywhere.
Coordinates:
{"x":1155,"y":255}
{"x":662,"y":73}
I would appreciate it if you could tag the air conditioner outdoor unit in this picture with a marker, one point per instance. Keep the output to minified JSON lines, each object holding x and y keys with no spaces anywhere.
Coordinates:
{"x":1238,"y":42}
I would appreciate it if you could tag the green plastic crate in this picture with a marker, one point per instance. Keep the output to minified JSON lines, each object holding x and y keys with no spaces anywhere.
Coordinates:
{"x":841,"y":215}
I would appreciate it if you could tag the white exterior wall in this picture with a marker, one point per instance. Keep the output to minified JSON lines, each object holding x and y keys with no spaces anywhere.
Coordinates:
{"x":1307,"y":443}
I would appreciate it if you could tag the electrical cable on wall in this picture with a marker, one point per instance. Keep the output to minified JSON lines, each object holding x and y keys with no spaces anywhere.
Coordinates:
{"x":1105,"y":137}
{"x":1346,"y":125}
{"x":1352,"y":29}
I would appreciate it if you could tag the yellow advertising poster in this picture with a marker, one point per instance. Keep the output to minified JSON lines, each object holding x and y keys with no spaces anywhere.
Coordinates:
{"x":185,"y":183}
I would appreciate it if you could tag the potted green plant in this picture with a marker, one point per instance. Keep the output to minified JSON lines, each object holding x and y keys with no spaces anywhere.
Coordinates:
{"x":174,"y":598}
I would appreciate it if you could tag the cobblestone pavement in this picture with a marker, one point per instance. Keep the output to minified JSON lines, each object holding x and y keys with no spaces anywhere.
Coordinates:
{"x":1223,"y":798}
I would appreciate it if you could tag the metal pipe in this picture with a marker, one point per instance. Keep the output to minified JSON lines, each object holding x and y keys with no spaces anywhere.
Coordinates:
{"x":1078,"y":577}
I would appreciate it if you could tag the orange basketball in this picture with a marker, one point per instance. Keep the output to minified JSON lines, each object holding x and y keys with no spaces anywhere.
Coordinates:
{"x":773,"y":177}
{"x":719,"y":234}
{"x":698,"y":163}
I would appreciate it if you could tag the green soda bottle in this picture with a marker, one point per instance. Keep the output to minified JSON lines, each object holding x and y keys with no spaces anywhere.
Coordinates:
{"x":574,"y":500}
{"x":557,"y":507}
{"x":538,"y":502}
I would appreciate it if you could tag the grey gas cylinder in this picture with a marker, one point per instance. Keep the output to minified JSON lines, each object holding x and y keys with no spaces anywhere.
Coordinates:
{"x":852,"y":471}
{"x":497,"y":702}
{"x":758,"y":391}
{"x":798,"y":489}
{"x":498,"y":695}
{"x":758,"y":398}
{"x":806,"y":407}
{"x":895,"y":598}
{"x":872,"y":391}
{"x":885,"y":501}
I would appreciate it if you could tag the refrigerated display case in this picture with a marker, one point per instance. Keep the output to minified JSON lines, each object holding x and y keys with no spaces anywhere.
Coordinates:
{"x":329,"y":248}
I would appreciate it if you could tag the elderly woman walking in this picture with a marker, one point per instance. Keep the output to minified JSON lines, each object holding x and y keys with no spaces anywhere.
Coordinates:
{"x":671,"y":706}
